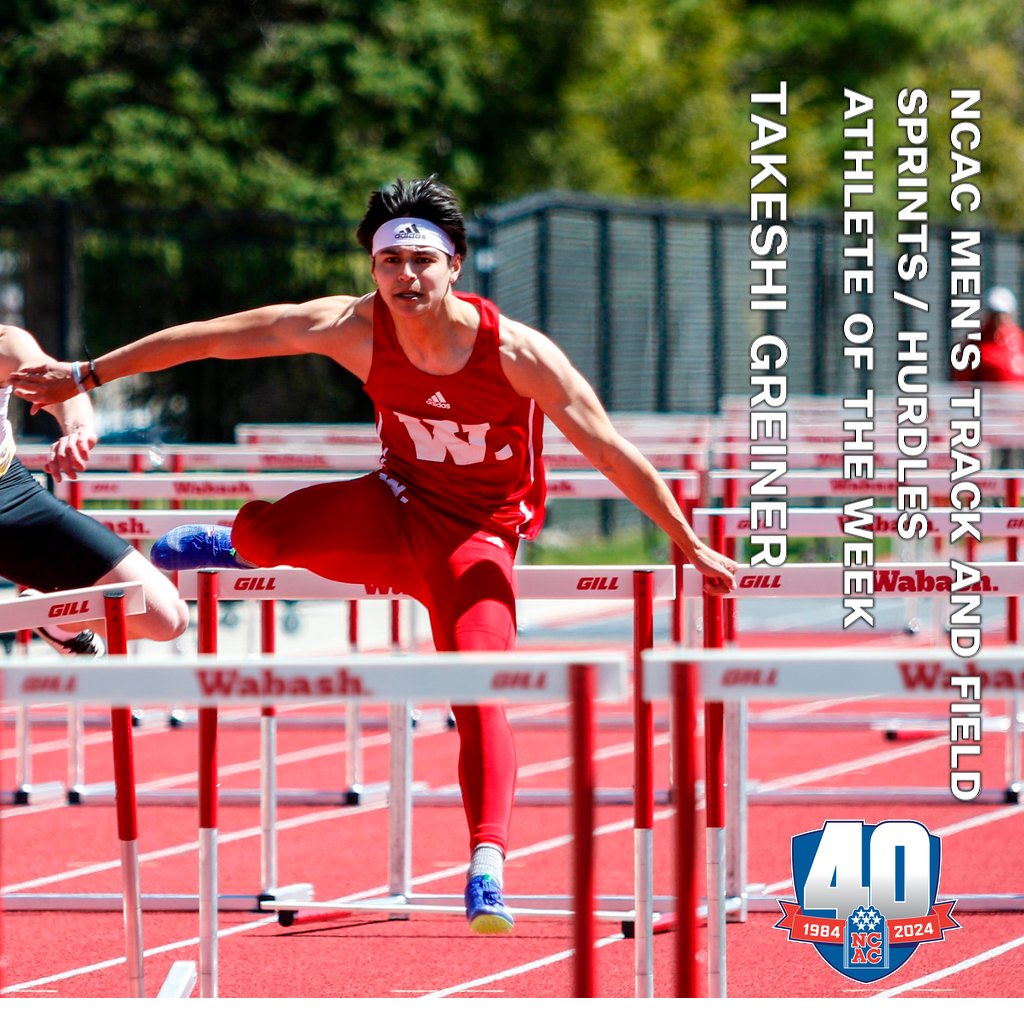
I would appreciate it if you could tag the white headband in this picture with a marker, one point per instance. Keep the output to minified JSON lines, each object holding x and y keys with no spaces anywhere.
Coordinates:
{"x":404,"y":231}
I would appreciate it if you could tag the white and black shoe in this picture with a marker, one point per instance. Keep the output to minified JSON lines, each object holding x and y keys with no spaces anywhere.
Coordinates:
{"x":85,"y":644}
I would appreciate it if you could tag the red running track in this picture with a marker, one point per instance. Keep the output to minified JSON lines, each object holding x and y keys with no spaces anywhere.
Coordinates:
{"x":342,"y":851}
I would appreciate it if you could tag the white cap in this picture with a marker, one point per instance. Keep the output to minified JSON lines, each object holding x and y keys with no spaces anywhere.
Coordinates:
{"x":1000,"y":300}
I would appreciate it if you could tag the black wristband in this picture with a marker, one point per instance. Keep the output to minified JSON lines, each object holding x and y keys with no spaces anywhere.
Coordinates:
{"x":92,"y":373}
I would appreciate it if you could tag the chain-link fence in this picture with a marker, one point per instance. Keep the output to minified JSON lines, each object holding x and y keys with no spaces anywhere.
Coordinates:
{"x":651,"y":300}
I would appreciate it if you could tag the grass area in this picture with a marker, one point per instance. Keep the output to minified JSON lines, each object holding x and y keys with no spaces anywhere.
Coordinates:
{"x":634,"y":547}
{"x":638,"y":547}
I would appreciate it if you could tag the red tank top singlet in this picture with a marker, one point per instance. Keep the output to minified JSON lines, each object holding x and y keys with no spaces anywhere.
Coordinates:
{"x":464,"y":443}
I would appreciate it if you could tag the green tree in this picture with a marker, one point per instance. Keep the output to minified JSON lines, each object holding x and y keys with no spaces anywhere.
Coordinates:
{"x":299,"y":107}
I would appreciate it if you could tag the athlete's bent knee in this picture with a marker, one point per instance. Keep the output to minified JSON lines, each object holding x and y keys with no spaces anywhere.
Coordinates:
{"x":253,"y":544}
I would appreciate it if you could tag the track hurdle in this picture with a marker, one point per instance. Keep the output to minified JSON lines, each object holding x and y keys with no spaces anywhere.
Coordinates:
{"x":824,"y":581}
{"x":214,"y":486}
{"x":56,"y":608}
{"x":121,"y":724}
{"x":803,"y":456}
{"x":72,"y":605}
{"x":1006,"y":523}
{"x":738,"y":676}
{"x":641,"y":586}
{"x":581,"y":678}
{"x":674,"y":427}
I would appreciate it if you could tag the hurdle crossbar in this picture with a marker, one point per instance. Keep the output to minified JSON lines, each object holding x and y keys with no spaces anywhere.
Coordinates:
{"x":892,"y":580}
{"x":56,"y":608}
{"x":736,"y":522}
{"x":210,"y":682}
{"x":738,"y":676}
{"x":269,"y":486}
{"x":642,"y":586}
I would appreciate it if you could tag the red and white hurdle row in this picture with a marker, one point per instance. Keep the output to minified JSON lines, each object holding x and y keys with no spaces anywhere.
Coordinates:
{"x":826,"y":682}
{"x":726,"y":525}
{"x":710,"y":676}
{"x":641,"y":587}
{"x":578,"y":678}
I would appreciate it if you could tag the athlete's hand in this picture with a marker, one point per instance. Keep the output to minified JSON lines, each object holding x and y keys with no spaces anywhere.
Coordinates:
{"x":70,"y":454}
{"x":719,"y":571}
{"x":44,"y":385}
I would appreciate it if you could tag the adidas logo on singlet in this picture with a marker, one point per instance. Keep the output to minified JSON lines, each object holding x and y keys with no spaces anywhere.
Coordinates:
{"x":437,"y":400}
{"x":409,"y":231}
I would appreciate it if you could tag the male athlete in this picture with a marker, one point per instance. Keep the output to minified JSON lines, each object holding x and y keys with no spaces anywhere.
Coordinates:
{"x":460,"y":393}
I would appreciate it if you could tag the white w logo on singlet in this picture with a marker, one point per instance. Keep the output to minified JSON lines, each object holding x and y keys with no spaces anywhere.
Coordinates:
{"x":434,"y":439}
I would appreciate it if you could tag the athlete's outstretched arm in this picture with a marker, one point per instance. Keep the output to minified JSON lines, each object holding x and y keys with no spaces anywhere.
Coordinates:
{"x":538,"y":369}
{"x":70,"y":452}
{"x":310,"y":327}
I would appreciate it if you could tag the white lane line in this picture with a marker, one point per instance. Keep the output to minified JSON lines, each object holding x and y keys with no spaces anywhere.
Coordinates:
{"x":226,"y":771}
{"x":963,"y":965}
{"x":511,"y":972}
{"x":539,"y":847}
{"x":978,"y":821}
{"x":616,"y":750}
{"x":843,"y":767}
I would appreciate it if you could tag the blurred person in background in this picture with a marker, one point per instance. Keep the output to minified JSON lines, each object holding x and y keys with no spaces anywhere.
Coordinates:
{"x":1001,"y":341}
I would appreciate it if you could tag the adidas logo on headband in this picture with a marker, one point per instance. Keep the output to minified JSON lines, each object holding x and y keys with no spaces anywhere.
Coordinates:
{"x":401,"y":231}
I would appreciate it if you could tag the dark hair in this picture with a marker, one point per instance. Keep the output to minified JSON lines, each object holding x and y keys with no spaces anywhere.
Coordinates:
{"x":423,"y":197}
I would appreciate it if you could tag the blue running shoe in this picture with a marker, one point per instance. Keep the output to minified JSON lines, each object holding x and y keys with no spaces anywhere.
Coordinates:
{"x":485,"y":908}
{"x":196,"y":547}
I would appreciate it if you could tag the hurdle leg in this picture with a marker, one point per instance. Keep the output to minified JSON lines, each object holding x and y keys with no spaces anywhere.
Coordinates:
{"x":582,"y":684}
{"x":678,"y":630}
{"x":25,"y":791}
{"x":1015,"y":704}
{"x":728,"y":545}
{"x":400,"y":803}
{"x":1014,"y":769}
{"x":208,"y":852}
{"x":643,"y":795}
{"x":736,"y":811}
{"x":354,"y":761}
{"x":1012,"y":554}
{"x":268,"y":800}
{"x":684,"y":756}
{"x":714,"y":802}
{"x":76,"y":760}
{"x":353,"y":721}
{"x":268,"y":766}
{"x":400,"y":717}
{"x":127,"y":816}
{"x":207,"y":609}
{"x":714,"y":748}
{"x":23,"y":763}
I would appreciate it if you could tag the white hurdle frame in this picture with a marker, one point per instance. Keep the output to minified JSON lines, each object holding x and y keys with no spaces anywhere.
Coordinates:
{"x":56,"y":608}
{"x":136,"y":526}
{"x":641,"y":585}
{"x":811,"y":580}
{"x":995,"y":523}
{"x":680,"y":674}
{"x":825,"y":580}
{"x":578,"y":677}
